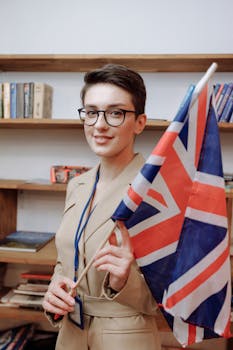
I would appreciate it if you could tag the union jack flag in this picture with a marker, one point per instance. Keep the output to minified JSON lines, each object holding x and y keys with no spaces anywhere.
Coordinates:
{"x":175,"y":212}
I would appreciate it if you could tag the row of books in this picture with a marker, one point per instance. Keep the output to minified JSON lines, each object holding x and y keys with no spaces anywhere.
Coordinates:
{"x":224,"y":101}
{"x":25,"y":100}
{"x":27,"y":337}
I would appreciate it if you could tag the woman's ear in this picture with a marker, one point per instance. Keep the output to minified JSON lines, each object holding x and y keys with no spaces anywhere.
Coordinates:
{"x":140,"y":123}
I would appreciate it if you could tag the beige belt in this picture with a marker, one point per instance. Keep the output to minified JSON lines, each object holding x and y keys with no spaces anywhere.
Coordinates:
{"x":101,"y":307}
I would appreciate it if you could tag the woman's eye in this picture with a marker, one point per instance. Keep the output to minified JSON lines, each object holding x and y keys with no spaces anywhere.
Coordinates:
{"x":91,"y":113}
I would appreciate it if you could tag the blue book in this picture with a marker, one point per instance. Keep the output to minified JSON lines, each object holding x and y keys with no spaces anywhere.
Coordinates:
{"x":227,"y":112}
{"x":13,"y":99}
{"x":25,"y":241}
{"x":224,"y":100}
{"x":221,"y":99}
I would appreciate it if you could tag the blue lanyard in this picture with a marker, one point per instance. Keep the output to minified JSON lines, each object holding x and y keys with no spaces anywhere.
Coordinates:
{"x":81,"y":227}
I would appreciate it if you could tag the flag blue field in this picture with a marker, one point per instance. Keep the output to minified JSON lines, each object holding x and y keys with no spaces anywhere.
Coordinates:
{"x":175,"y":212}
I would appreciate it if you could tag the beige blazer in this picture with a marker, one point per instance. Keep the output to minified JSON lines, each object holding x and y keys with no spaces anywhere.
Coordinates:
{"x":123,"y":321}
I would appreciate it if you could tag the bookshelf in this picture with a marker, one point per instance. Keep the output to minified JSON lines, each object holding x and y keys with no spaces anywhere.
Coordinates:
{"x":142,"y":63}
{"x":81,"y":63}
{"x":152,"y":124}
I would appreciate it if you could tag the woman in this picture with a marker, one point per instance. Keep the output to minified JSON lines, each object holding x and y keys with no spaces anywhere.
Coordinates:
{"x":113,"y":307}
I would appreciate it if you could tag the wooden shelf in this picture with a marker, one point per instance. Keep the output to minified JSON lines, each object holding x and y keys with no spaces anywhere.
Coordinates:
{"x":54,"y":124}
{"x":141,"y":63}
{"x":31,"y":186}
{"x":45,"y":256}
{"x":24,"y":314}
{"x":32,"y":315}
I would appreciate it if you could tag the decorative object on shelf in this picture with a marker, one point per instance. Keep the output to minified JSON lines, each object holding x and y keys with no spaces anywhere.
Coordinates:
{"x":63,"y":173}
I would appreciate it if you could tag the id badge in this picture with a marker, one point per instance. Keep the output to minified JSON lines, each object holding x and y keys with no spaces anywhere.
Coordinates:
{"x":76,"y":316}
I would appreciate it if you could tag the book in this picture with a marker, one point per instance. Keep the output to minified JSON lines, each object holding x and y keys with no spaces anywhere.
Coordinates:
{"x":31,"y":289}
{"x":221,"y":97}
{"x":36,"y":276}
{"x":25,"y":241}
{"x":228,"y":109}
{"x":1,"y":100}
{"x":6,"y":100}
{"x":224,"y":100}
{"x":27,"y":300}
{"x":13,"y":100}
{"x":20,"y":100}
{"x":218,"y":93}
{"x":28,"y":99}
{"x":43,"y":96}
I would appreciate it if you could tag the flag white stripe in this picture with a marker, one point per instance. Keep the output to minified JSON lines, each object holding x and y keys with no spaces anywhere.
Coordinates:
{"x":155,"y":160}
{"x":223,"y":316}
{"x":175,"y":127}
{"x":194,"y":272}
{"x":156,"y":255}
{"x":207,"y":217}
{"x":192,"y":301}
{"x":209,"y":179}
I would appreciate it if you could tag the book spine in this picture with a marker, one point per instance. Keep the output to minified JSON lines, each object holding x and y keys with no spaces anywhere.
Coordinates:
{"x":38,"y":100}
{"x":13,"y":100}
{"x":26,"y":100}
{"x":6,"y":100}
{"x":225,"y":87}
{"x":31,"y":99}
{"x":47,"y":103}
{"x":1,"y":100}
{"x":224,"y":100}
{"x":43,"y":94}
{"x":20,"y":100}
{"x":219,"y":93}
{"x":226,"y":114}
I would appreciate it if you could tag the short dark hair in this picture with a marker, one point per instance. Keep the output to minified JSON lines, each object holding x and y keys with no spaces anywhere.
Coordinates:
{"x":122,"y":77}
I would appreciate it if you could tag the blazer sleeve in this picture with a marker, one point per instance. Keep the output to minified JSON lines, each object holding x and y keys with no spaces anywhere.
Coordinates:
{"x":135,"y":293}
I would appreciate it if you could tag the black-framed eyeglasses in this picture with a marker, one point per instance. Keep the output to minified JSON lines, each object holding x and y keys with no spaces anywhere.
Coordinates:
{"x":112,"y":116}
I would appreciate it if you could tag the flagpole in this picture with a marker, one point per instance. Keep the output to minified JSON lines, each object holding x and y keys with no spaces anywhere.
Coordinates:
{"x":203,"y":81}
{"x":57,"y":317}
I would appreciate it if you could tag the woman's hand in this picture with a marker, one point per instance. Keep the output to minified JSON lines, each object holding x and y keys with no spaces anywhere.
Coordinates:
{"x":116,"y":259}
{"x":58,"y":299}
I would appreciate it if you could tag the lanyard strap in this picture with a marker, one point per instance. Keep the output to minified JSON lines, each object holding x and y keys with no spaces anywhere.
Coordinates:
{"x":81,"y":227}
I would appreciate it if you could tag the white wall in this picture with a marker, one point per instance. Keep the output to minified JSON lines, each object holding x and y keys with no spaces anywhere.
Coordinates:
{"x":116,"y":26}
{"x":104,"y":26}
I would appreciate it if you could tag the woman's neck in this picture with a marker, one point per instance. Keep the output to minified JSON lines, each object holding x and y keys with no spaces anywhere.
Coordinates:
{"x":110,"y":169}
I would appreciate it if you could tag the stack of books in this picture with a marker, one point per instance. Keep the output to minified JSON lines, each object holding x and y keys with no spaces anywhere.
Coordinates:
{"x":25,"y":100}
{"x":224,"y":102}
{"x":30,"y":293}
{"x":25,"y":241}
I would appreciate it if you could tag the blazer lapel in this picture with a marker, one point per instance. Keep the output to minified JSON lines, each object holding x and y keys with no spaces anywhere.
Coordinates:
{"x":112,"y":197}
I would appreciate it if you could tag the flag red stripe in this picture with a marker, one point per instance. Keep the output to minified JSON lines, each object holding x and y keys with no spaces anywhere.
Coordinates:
{"x":157,"y":236}
{"x":208,"y":198}
{"x":157,"y":196}
{"x":191,"y":334}
{"x":164,"y":143}
{"x":196,"y":282}
{"x":134,"y":196}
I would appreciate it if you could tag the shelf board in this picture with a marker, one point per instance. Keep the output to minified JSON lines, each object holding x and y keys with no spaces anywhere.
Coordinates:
{"x":27,"y":314}
{"x":45,"y":256}
{"x":141,"y":63}
{"x":31,"y":186}
{"x":54,"y":124}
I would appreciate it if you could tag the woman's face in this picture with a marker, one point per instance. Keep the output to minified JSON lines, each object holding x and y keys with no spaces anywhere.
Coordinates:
{"x":104,"y":140}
